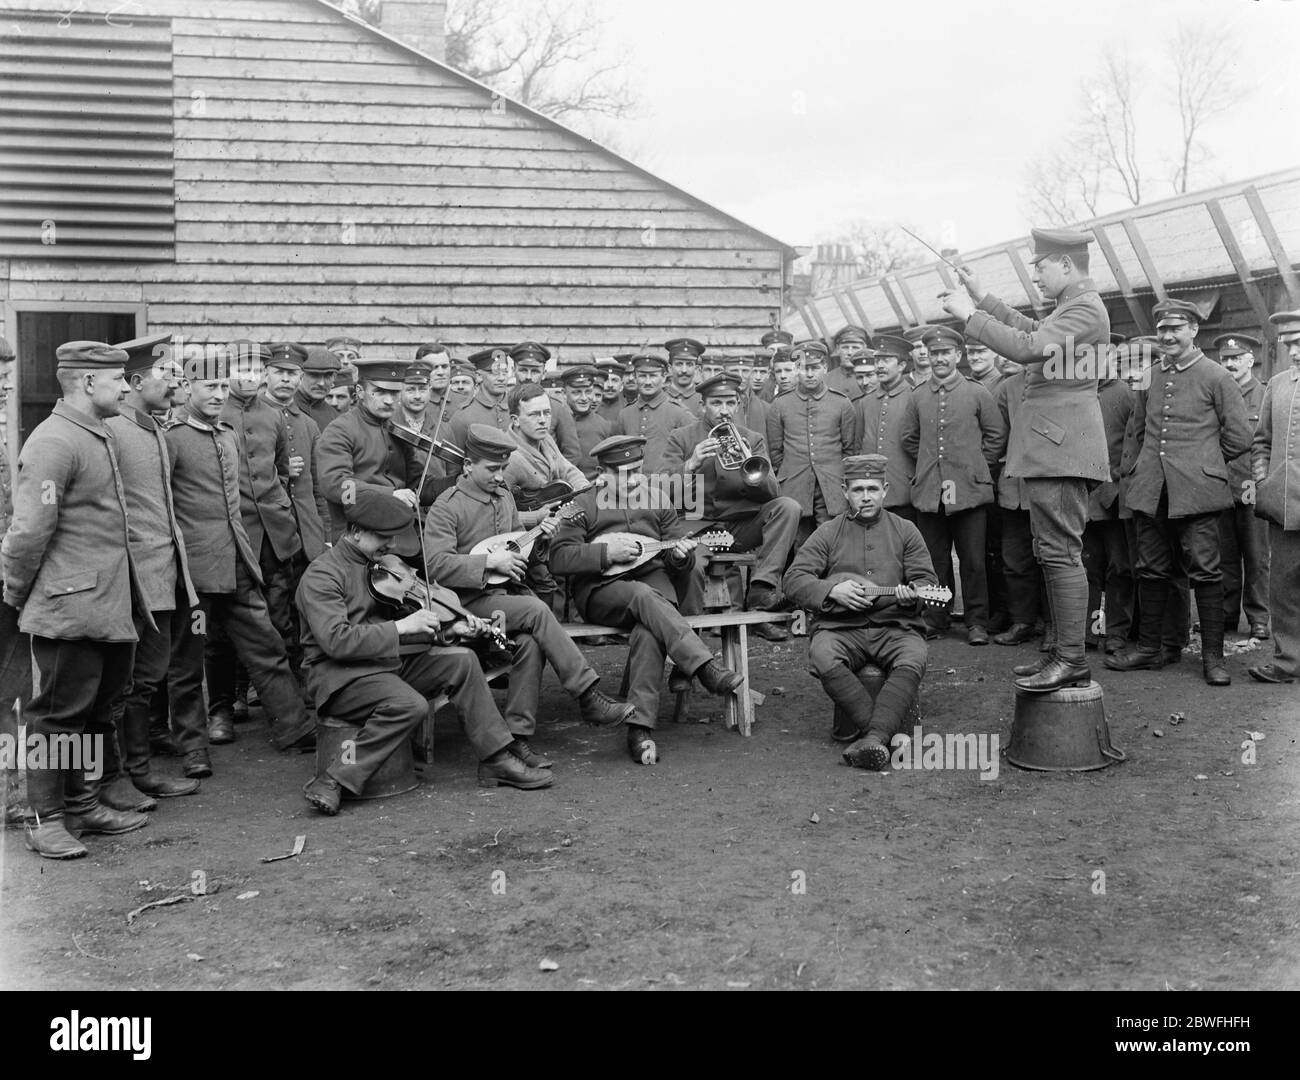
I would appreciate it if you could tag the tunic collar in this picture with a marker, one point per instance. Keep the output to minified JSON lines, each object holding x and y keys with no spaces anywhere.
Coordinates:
{"x":1079,"y":287}
{"x":1195,"y":355}
{"x":138,"y":418}
{"x":467,"y":487}
{"x":81,"y":419}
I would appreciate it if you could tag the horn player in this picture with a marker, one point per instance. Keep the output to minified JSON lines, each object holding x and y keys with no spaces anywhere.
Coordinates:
{"x":740,"y":496}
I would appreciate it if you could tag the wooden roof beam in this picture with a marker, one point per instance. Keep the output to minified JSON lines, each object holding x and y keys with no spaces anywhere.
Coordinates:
{"x":903,"y":320}
{"x":1026,"y":281}
{"x":1144,"y":259}
{"x":1141,"y":317}
{"x":1238,"y":257}
{"x":1274,"y":243}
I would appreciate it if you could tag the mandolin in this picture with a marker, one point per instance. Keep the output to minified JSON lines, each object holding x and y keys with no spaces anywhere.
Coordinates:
{"x":714,"y":541}
{"x":520,"y":542}
{"x":933,"y":595}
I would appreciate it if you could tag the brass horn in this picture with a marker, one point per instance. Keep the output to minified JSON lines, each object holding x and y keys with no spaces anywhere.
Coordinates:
{"x":734,"y":453}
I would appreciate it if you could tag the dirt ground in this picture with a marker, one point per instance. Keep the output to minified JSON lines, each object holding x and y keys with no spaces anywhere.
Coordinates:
{"x":760,"y":863}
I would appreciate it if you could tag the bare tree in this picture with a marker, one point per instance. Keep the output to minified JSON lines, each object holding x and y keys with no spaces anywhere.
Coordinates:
{"x":550,"y":56}
{"x":1205,"y":87}
{"x":879,"y":247}
{"x":1103,"y":162}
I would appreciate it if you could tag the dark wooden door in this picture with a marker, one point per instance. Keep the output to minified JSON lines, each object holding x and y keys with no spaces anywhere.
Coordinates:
{"x":40,"y":333}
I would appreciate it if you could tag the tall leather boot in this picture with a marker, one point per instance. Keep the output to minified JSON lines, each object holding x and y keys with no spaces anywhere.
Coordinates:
{"x":1067,"y":590}
{"x":115,"y":788}
{"x":49,"y":837}
{"x":1152,"y":596}
{"x":1209,"y":606}
{"x":896,"y":695}
{"x":1048,"y":645}
{"x":84,"y":813}
{"x":850,"y":696}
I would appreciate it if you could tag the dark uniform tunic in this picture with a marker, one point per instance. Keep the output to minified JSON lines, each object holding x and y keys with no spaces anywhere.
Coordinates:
{"x":809,"y":436}
{"x":1105,"y":548}
{"x":479,"y":408}
{"x":1276,"y":462}
{"x":880,"y":420}
{"x":645,"y":600}
{"x":227,"y":577}
{"x":592,"y":427}
{"x":357,"y":674}
{"x":887,"y":551}
{"x":462,"y":517}
{"x":689,"y":400}
{"x":320,"y":411}
{"x":954,"y":433}
{"x":757,"y":515}
{"x":653,"y":419}
{"x":1243,"y":537}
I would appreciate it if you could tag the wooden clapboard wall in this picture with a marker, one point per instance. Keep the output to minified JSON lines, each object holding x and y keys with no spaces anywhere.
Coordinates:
{"x":330,"y":181}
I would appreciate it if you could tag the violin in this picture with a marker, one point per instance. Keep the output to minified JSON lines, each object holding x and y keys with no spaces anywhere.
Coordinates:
{"x":439,"y":448}
{"x":392,"y":582}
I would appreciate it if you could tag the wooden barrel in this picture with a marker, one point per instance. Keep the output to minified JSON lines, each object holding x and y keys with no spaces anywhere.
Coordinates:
{"x":872,"y":679}
{"x":1064,"y":731}
{"x":396,"y":776}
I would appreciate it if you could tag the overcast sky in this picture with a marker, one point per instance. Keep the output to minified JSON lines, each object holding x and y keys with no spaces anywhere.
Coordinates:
{"x":797,"y":116}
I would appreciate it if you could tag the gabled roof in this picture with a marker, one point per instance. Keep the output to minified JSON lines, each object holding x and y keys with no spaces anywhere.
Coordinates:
{"x":546,"y":121}
{"x":1207,"y":238}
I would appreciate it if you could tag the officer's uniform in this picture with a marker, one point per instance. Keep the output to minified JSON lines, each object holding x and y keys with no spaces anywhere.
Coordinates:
{"x":1189,"y":422}
{"x":809,"y":435}
{"x":880,"y":420}
{"x":954,"y":433}
{"x":644,"y":601}
{"x":652,"y":419}
{"x":226,"y":575}
{"x":757,"y":515}
{"x":1275,"y":454}
{"x":1058,"y":443}
{"x":70,"y":572}
{"x":885,"y":551}
{"x":1243,"y":537}
{"x":1105,"y":549}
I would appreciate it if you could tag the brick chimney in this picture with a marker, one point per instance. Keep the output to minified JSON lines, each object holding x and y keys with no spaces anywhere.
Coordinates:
{"x":421,"y":23}
{"x":832,"y":265}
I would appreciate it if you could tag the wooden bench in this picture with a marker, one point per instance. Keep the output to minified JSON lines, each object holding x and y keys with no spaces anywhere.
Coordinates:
{"x":733,"y":626}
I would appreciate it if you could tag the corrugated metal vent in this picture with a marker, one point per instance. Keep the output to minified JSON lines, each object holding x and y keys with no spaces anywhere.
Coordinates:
{"x":86,"y":137}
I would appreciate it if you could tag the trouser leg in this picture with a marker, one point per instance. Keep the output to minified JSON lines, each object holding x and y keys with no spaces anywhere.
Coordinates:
{"x":277,"y":588}
{"x":260,"y":650}
{"x":191,"y":654}
{"x":1230,"y":559}
{"x":1023,"y":576}
{"x":1284,"y":598}
{"x":903,"y":655}
{"x":1119,"y":580}
{"x":968,"y":533}
{"x":152,"y":654}
{"x":835,"y":657}
{"x":994,"y":571}
{"x":1198,"y":537}
{"x":1255,"y":559}
{"x":771,"y":533}
{"x":1094,"y":565}
{"x":645,"y":662}
{"x":219,"y":664}
{"x":1156,"y":567}
{"x":1058,"y":514}
{"x":934,"y":529}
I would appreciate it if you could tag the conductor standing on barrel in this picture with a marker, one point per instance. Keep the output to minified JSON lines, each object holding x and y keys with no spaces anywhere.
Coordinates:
{"x":1057,"y":445}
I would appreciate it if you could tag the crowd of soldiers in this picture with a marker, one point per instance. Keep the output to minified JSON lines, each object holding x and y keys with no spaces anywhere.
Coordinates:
{"x":320,"y":532}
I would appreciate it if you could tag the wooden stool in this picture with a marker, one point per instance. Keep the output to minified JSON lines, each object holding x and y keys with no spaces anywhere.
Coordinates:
{"x":872,"y":678}
{"x":717,"y":590}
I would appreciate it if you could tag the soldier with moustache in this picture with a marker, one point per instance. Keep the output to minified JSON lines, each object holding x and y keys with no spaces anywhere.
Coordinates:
{"x":341,"y":394}
{"x":530,"y":365}
{"x":1243,"y":537}
{"x":654,"y":415}
{"x":613,"y":375}
{"x":1105,"y":549}
{"x":581,"y":389}
{"x":684,"y":356}
{"x":849,"y":629}
{"x":983,"y":367}
{"x":153,"y":374}
{"x":366,"y":668}
{"x":810,"y":430}
{"x":1058,"y":441}
{"x":849,"y":343}
{"x":481,"y":506}
{"x":880,"y":420}
{"x":358,"y":451}
{"x":205,"y":467}
{"x":954,"y":434}
{"x":319,"y":369}
{"x":70,"y":573}
{"x":1190,"y":422}
{"x":1275,"y":468}
{"x":462,"y":381}
{"x":645,"y":599}
{"x":750,"y":508}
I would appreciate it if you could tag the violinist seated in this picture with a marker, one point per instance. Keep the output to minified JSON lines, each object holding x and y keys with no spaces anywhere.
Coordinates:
{"x":745,"y":501}
{"x":646,"y":597}
{"x":477,"y":508}
{"x":831,"y":577}
{"x":365,"y":667}
{"x":364,"y":451}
